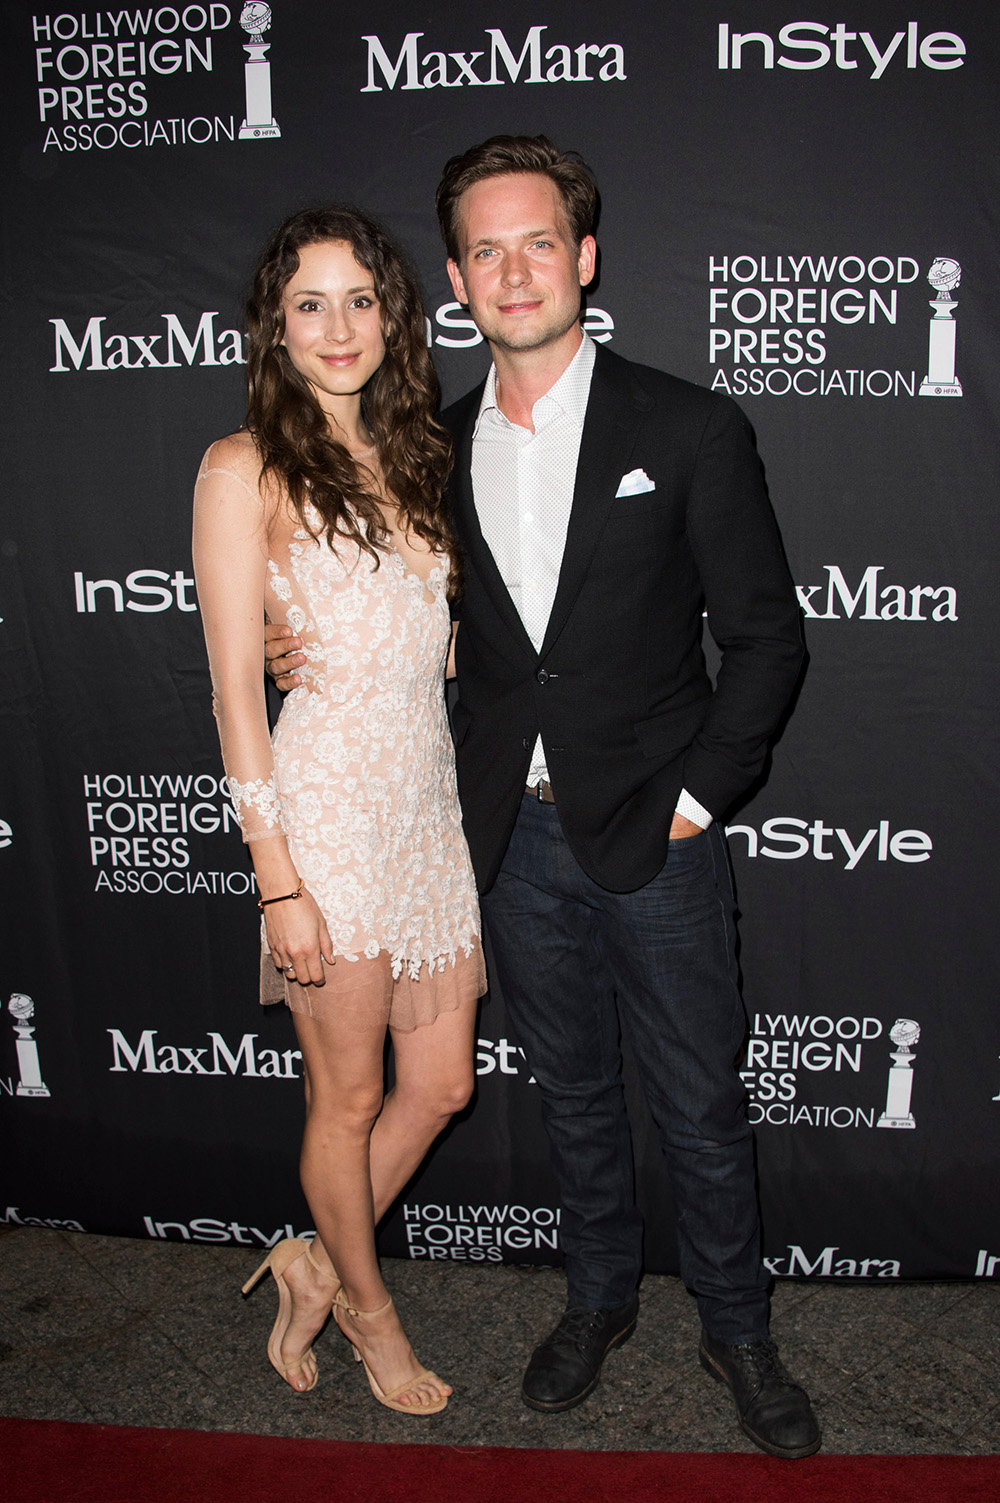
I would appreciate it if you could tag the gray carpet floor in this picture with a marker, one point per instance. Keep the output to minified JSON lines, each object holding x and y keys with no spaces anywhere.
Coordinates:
{"x":115,"y":1331}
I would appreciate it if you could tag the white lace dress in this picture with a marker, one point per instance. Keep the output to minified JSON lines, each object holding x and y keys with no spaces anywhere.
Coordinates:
{"x":359,"y":775}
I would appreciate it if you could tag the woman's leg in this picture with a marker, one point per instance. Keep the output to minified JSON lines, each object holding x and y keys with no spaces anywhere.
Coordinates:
{"x":434,"y":1080}
{"x":350,"y":1141}
{"x":343,"y":1088}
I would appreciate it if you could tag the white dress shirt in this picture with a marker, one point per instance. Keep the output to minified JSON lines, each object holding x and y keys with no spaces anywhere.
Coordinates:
{"x":523,"y":483}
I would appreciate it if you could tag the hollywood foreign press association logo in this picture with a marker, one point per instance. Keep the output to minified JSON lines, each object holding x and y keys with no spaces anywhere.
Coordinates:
{"x":22,"y":1009}
{"x":255,"y":19}
{"x":796,"y":297}
{"x":113,"y":108}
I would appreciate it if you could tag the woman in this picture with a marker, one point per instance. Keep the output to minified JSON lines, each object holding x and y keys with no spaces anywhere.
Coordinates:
{"x":327,"y":510}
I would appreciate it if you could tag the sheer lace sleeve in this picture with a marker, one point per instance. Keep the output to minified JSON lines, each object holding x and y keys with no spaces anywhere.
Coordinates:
{"x":230,"y":564}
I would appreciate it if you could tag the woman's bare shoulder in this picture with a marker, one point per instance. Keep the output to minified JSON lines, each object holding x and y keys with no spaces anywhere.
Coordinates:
{"x":237,"y":451}
{"x":235,"y":456}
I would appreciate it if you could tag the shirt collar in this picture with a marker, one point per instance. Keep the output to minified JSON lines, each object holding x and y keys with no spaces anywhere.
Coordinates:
{"x":569,"y":394}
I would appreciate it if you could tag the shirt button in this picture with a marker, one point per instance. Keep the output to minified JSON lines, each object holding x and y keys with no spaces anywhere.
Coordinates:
{"x":542,"y":676}
{"x":527,"y":517}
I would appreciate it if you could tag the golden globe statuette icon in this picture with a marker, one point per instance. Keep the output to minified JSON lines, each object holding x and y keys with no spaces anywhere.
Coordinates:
{"x":940,"y":380}
{"x":904,"y":1033}
{"x":259,"y":124}
{"x":21,"y":1008}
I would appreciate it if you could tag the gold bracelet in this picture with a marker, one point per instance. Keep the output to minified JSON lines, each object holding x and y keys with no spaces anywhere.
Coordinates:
{"x":263,"y":902}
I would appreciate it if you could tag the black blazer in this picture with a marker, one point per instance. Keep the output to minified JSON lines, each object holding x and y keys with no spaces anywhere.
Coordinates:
{"x":619,"y":691}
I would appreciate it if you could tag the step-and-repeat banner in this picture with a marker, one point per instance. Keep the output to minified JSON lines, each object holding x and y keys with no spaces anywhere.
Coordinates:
{"x":796,"y":212}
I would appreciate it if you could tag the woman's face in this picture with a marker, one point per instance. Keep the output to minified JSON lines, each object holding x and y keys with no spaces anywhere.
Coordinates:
{"x":333,"y":322}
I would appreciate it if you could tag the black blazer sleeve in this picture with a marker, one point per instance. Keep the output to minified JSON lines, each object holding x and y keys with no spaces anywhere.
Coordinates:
{"x":752,"y":610}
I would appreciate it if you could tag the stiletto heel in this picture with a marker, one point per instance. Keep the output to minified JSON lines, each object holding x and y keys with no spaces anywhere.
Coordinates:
{"x":255,"y":1278}
{"x":278,"y":1260}
{"x":390,"y":1400}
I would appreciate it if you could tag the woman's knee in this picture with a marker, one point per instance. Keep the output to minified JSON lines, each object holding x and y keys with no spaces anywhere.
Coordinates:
{"x":457,"y":1096}
{"x":351,"y":1107}
{"x":441,"y":1097}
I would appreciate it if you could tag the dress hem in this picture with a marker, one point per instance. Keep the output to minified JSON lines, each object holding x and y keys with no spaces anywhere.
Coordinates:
{"x":378,"y":992}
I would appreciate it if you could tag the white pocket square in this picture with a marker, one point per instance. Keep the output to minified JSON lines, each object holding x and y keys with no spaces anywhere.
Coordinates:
{"x":635,"y":483}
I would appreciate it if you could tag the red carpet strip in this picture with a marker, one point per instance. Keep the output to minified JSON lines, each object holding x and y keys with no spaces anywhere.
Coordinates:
{"x":42,"y":1461}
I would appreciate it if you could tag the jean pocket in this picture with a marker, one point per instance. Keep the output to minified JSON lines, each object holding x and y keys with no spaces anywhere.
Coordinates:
{"x":688,"y":847}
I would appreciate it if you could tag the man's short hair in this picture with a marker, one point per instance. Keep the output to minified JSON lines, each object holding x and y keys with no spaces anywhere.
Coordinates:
{"x":502,"y":155}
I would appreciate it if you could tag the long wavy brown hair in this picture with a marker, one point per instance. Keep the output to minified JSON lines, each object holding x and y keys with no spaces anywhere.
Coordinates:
{"x":398,"y":403}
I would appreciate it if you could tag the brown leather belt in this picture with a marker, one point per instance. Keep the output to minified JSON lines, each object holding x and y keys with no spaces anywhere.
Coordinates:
{"x":542,"y":792}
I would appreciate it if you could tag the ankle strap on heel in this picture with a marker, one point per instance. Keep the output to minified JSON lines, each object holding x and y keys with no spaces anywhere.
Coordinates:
{"x":351,"y":1310}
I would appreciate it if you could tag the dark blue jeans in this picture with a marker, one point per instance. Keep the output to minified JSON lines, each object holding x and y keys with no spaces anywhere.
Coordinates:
{"x":577,"y":965}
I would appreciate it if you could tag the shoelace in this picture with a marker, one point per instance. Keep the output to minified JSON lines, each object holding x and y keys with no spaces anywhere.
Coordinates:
{"x":760,"y":1362}
{"x":576,"y":1325}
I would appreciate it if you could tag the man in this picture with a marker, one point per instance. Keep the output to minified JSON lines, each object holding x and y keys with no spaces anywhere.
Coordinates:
{"x":602,"y":506}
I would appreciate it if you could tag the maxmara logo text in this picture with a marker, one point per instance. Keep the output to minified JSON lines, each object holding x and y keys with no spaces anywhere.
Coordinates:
{"x":875,"y":598}
{"x":213,"y":1058}
{"x":804,"y":46}
{"x":538,"y":61}
{"x":12,"y":1217}
{"x":827,"y":1265}
{"x":98,"y":350}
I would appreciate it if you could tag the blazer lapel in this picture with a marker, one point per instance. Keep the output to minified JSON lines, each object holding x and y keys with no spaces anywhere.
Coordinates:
{"x":616,"y":409}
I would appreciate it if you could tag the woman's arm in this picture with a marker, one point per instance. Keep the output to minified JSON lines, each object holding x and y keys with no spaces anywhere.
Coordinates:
{"x":449,"y":671}
{"x":230,"y":559}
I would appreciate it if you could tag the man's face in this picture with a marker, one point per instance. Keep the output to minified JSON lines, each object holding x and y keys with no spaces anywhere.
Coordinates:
{"x":519,"y":271}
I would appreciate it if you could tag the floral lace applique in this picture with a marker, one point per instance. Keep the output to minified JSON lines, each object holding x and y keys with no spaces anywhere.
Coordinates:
{"x":279,"y":584}
{"x":257,"y":808}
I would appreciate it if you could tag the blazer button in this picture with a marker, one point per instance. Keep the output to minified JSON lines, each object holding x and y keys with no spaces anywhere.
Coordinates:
{"x":542,"y":676}
{"x":526,"y":743}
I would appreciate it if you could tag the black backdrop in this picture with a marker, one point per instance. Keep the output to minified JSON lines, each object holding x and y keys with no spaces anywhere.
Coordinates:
{"x":775,"y":195}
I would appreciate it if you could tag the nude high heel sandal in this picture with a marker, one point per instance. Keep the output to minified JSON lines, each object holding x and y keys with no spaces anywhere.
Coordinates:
{"x":278,"y":1259}
{"x":390,"y":1400}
